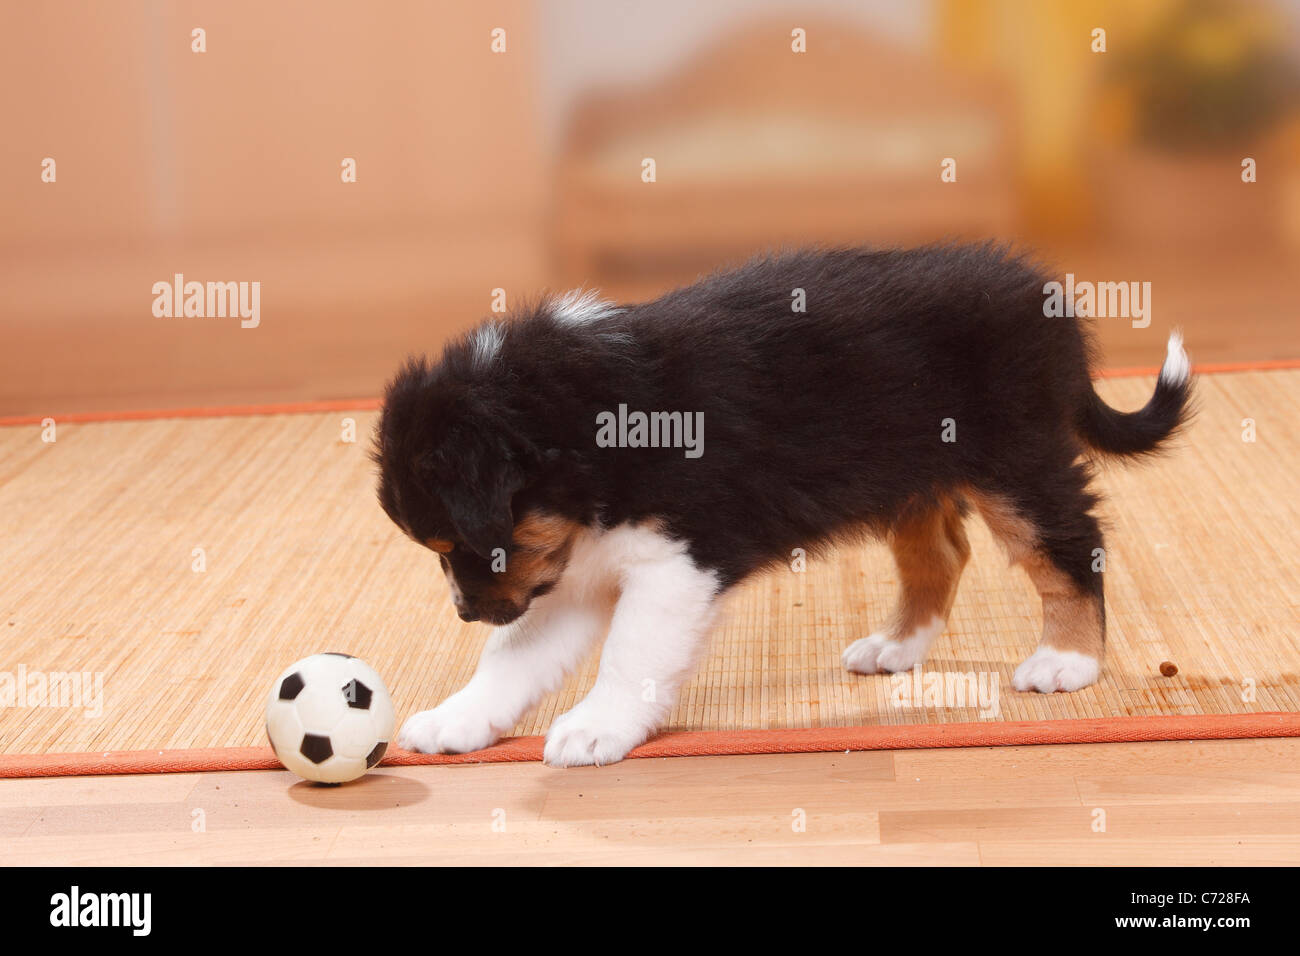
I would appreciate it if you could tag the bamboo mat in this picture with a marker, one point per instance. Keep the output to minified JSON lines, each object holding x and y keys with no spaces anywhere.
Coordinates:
{"x":99,"y":531}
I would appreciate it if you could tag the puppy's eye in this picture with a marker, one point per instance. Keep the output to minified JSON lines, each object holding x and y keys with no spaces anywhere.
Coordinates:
{"x":440,"y":545}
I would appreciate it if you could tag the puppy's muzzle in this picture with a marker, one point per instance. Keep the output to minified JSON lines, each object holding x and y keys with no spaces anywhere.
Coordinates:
{"x":492,"y":612}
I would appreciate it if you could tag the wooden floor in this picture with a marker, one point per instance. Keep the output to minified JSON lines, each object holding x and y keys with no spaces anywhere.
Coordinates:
{"x":1231,"y":802}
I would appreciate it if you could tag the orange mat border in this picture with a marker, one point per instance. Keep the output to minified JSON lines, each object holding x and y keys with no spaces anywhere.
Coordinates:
{"x":702,"y":743}
{"x":372,"y":404}
{"x":1207,"y":368}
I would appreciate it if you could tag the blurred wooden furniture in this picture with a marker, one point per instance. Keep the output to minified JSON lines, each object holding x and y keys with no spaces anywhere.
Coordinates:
{"x":756,"y":145}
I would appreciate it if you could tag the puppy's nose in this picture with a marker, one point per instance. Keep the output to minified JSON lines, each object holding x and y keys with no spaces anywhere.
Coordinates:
{"x":466,"y":614}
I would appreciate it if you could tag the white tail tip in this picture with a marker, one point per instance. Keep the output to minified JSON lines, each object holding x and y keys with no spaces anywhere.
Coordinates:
{"x":1178,"y":367}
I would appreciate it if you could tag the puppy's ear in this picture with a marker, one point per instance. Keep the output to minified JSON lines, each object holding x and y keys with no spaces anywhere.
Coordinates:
{"x":478,"y":504}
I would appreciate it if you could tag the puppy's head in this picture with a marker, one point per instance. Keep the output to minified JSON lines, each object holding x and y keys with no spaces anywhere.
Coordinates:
{"x":453,"y":471}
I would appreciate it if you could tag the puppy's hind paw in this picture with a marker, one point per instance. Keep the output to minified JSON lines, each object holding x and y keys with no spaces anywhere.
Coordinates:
{"x":863,"y":656}
{"x":877,"y":653}
{"x":1048,"y":670}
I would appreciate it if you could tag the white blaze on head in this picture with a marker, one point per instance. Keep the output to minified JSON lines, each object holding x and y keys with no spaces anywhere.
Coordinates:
{"x":485,"y":343}
{"x":581,"y":306}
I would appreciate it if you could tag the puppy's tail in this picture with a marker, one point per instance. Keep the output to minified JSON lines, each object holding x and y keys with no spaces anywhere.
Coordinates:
{"x":1142,"y":432}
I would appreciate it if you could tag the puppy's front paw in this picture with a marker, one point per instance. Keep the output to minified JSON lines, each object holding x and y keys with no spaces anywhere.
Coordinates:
{"x":1048,"y":670}
{"x":590,"y":735}
{"x":877,"y":653}
{"x":449,"y":728}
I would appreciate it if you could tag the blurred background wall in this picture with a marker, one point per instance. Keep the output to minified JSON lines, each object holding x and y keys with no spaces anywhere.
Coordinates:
{"x":522,"y":169}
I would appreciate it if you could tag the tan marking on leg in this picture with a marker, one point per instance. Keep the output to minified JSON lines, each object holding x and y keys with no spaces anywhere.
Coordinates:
{"x":1072,"y":618}
{"x":930,"y":549}
{"x":1015,"y":534}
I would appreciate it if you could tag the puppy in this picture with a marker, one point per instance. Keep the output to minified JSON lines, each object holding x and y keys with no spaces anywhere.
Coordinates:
{"x":583,"y":471}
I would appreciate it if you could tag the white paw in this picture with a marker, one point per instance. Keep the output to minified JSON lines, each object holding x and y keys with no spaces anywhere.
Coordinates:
{"x":450,"y":728}
{"x":1048,"y":670}
{"x":877,"y":653}
{"x":592,"y":734}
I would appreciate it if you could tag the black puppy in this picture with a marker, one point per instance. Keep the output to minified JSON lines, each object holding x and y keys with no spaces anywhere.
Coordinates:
{"x":584,"y":470}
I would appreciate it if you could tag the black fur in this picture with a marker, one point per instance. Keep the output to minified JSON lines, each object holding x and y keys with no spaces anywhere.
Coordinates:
{"x":817,"y":425}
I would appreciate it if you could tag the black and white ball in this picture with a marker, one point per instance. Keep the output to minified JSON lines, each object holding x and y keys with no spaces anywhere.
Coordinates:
{"x":329,"y":718}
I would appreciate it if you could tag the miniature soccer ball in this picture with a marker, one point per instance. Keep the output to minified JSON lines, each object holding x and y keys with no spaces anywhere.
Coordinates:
{"x":329,"y":718}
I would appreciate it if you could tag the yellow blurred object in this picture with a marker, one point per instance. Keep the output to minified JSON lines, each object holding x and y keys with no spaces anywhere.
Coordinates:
{"x":1215,"y":43}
